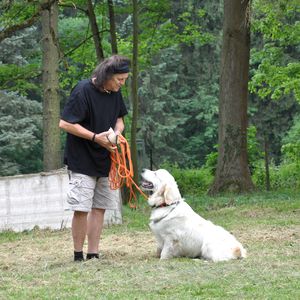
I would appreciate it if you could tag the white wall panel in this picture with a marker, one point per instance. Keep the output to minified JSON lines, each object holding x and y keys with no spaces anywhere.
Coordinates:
{"x":39,"y":200}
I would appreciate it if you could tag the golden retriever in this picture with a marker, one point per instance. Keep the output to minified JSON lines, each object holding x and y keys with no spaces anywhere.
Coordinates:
{"x":178,"y":230}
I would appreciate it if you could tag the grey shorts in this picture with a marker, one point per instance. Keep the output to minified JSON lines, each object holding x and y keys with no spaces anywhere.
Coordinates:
{"x":87,"y":192}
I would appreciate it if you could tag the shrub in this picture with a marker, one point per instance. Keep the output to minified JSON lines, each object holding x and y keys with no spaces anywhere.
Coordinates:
{"x":288,"y":176}
{"x":211,"y":161}
{"x":291,"y":152}
{"x":284,"y":176}
{"x":190,"y":181}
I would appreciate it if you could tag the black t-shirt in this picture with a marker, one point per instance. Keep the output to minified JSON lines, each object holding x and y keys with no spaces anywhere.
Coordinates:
{"x":96,"y":111}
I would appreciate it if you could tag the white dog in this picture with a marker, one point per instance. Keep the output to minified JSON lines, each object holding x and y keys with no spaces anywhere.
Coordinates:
{"x":178,"y":230}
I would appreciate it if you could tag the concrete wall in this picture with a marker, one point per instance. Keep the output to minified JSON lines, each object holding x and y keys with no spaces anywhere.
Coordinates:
{"x":39,"y":200}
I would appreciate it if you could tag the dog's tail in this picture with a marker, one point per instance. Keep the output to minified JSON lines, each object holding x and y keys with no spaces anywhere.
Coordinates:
{"x":239,"y":252}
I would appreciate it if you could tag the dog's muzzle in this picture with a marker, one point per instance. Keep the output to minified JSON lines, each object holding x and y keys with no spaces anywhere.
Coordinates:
{"x":146,"y":185}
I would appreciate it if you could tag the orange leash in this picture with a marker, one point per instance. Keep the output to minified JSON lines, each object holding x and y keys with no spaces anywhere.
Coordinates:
{"x":121,"y":171}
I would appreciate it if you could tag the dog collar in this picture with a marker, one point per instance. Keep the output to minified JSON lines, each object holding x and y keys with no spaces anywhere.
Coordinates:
{"x":166,"y":213}
{"x":165,"y":204}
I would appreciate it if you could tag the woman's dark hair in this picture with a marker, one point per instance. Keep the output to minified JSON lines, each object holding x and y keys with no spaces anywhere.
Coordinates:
{"x":115,"y":64}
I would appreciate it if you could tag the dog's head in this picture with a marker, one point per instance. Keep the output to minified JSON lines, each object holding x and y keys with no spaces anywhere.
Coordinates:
{"x":163,"y":185}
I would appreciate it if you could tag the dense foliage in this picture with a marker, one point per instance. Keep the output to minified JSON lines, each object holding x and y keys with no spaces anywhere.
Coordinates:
{"x":277,"y":25}
{"x":20,"y":134}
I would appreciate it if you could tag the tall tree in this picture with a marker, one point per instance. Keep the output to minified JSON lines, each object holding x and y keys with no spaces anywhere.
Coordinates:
{"x":51,"y":108}
{"x":95,"y":31}
{"x":112,"y":27}
{"x":232,"y":172}
{"x":275,"y":71}
{"x":179,"y":91}
{"x":134,"y":92}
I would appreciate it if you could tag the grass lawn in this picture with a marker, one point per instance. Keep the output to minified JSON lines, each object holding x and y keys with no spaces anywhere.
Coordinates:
{"x":38,"y":264}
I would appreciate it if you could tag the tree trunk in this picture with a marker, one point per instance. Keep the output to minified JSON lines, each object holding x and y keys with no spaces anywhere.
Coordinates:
{"x":51,"y":109}
{"x":95,"y":31}
{"x":267,"y":167}
{"x":232,"y":172}
{"x":134,"y":91}
{"x":112,"y":27}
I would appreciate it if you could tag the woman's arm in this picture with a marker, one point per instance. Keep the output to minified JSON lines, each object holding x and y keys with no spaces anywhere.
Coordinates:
{"x":119,"y":126}
{"x":80,"y":131}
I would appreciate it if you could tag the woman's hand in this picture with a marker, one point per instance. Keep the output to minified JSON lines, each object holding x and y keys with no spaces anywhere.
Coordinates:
{"x":102,"y":140}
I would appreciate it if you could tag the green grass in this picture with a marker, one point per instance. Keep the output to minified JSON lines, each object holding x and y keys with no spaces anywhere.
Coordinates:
{"x":38,"y":264}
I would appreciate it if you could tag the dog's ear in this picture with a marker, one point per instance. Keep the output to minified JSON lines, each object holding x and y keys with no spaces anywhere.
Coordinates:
{"x":168,"y":195}
{"x":161,"y":190}
{"x":171,"y":194}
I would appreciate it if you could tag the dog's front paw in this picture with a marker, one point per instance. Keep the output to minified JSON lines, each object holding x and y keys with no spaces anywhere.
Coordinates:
{"x":158,"y":252}
{"x":166,"y":254}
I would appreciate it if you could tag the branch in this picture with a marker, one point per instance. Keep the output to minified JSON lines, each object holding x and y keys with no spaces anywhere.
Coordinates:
{"x":74,"y":7}
{"x":81,"y":43}
{"x":8,"y":32}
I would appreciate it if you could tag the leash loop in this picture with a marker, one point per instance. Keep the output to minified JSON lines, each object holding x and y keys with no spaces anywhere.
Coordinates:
{"x":121,"y":171}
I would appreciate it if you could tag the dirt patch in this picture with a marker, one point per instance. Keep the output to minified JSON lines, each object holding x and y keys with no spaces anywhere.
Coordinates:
{"x":276,"y":242}
{"x":277,"y":234}
{"x":136,"y":246}
{"x":268,"y":211}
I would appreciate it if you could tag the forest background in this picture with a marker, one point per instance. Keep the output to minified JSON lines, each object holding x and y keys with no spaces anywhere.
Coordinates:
{"x":178,"y":82}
